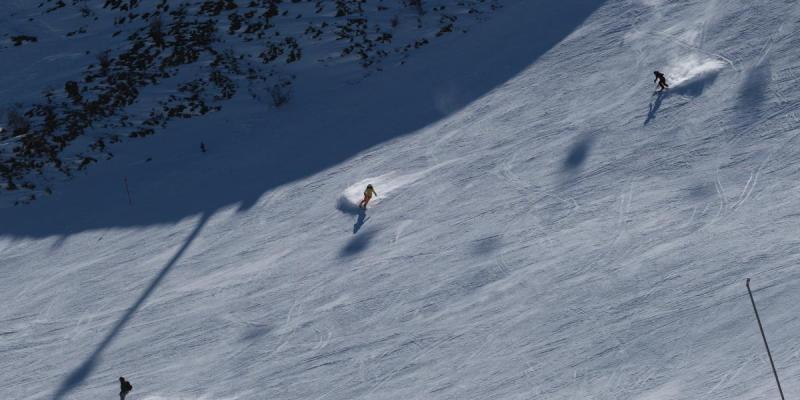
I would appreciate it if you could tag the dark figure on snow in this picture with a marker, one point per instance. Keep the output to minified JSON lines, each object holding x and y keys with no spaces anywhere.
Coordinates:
{"x":125,"y":387}
{"x":367,"y":197}
{"x":661,"y":79}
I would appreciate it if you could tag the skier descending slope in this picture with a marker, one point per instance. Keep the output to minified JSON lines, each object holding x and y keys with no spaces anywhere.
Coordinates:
{"x":125,"y":387}
{"x":661,"y":79}
{"x":367,"y":196}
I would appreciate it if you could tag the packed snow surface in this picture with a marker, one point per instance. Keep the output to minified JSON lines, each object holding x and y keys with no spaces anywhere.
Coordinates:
{"x":547,"y":227}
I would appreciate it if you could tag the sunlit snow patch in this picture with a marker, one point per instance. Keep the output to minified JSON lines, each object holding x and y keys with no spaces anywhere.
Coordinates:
{"x":384,"y":185}
{"x":692,"y":69}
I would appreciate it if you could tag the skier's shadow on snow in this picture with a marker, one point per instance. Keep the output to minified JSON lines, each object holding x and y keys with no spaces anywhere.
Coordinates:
{"x":362,"y":217}
{"x":654,"y":106}
{"x":358,"y":243}
{"x":347,"y":207}
{"x":79,"y":374}
{"x":692,"y":88}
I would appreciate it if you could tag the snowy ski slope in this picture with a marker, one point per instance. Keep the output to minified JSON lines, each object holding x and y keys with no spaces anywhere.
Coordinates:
{"x":546,"y":227}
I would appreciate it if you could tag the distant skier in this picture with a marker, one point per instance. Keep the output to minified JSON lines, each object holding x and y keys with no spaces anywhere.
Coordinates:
{"x":125,"y":387}
{"x":367,"y":197}
{"x":661,"y":79}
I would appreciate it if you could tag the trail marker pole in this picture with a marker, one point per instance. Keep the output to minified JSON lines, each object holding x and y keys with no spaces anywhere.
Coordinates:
{"x":130,"y":202}
{"x":763,"y":336}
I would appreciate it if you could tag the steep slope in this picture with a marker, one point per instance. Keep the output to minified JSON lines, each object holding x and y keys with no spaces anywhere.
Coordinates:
{"x":99,"y":74}
{"x":546,"y":227}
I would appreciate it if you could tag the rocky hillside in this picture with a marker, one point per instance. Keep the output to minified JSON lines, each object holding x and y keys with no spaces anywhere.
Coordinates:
{"x":137,"y":65}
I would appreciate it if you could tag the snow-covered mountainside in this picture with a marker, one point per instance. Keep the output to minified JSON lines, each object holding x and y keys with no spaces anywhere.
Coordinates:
{"x":128,"y":68}
{"x":546,"y":226}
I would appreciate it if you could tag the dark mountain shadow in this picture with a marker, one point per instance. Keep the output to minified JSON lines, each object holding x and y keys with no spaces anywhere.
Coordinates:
{"x":324,"y":125}
{"x":82,"y":371}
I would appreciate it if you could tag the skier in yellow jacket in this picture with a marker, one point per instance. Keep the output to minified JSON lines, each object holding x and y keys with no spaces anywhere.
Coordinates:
{"x":367,"y":197}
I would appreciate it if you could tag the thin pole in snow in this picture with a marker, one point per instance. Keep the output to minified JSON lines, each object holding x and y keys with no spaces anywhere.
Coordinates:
{"x":130,"y":202}
{"x":775,"y":372}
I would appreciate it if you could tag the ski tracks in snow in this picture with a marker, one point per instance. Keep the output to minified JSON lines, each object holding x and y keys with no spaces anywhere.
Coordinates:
{"x":608,"y":256}
{"x":528,"y":191}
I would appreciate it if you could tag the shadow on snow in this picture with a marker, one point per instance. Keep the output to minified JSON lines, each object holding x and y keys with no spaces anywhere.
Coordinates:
{"x":578,"y":153}
{"x":692,"y":88}
{"x":357,"y":244}
{"x":261,"y":151}
{"x":347,"y":207}
{"x":82,"y":371}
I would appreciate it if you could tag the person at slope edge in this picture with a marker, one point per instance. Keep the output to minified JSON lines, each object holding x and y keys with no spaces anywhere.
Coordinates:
{"x":125,"y":387}
{"x":661,"y":79}
{"x":367,"y":196}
